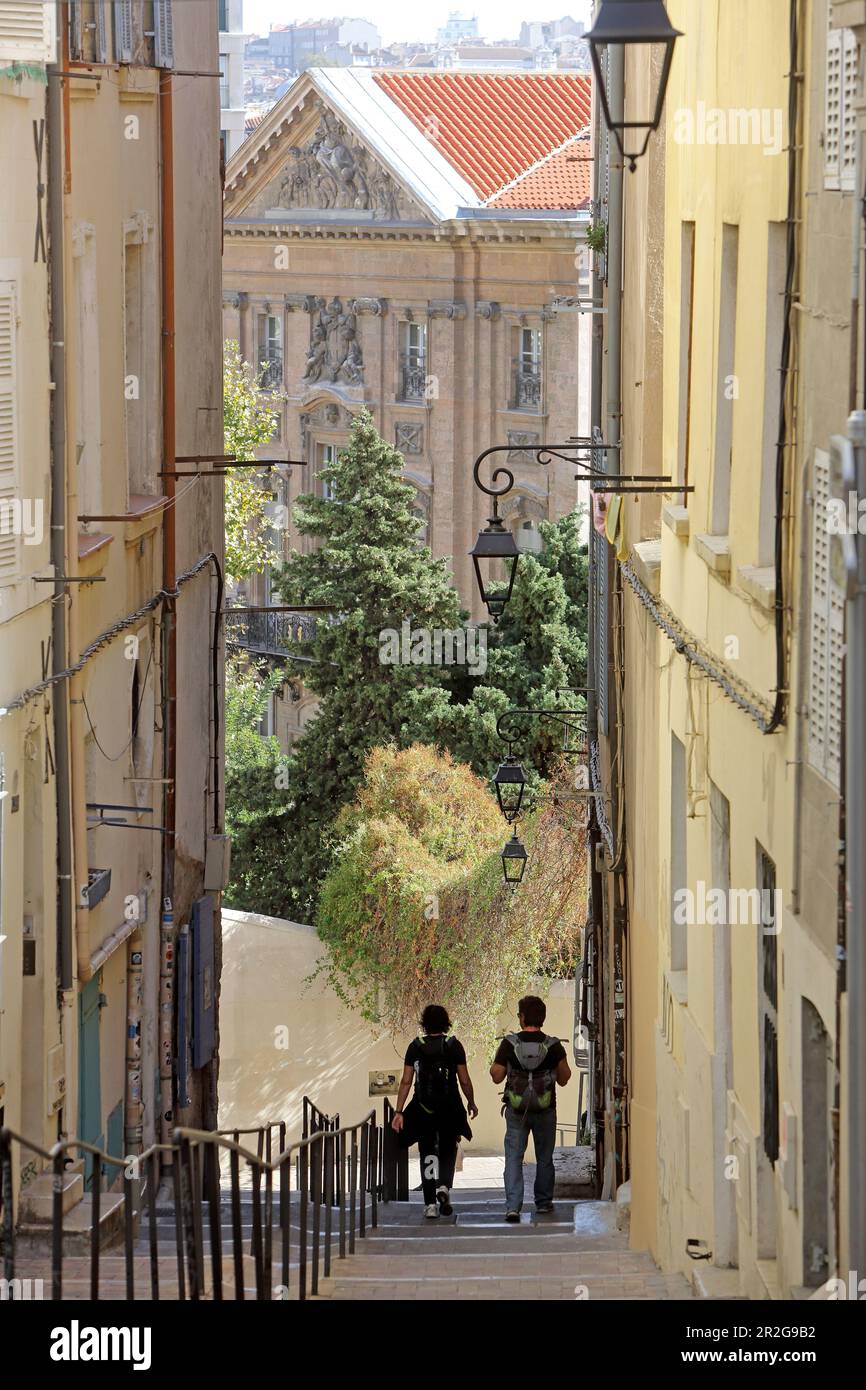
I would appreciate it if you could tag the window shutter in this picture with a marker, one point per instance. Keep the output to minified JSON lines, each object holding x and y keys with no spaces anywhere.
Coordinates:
{"x":101,"y":33}
{"x":827,"y":638}
{"x":164,"y":33}
{"x":123,"y":31}
{"x":26,"y":32}
{"x":76,"y":31}
{"x":848,"y":145}
{"x":8,"y":426}
{"x":833,"y":116}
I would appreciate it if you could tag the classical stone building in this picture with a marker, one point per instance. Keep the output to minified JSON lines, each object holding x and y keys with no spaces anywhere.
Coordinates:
{"x":407,"y":242}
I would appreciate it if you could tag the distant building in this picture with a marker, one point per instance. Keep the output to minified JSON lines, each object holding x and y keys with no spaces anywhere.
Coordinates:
{"x":457,"y":29}
{"x":539,"y":33}
{"x":433,"y":220}
{"x":231,"y":66}
{"x":294,"y":46}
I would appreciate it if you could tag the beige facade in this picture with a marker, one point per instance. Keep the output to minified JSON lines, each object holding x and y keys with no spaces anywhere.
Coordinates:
{"x":126,"y":415}
{"x":448,"y":330}
{"x":730,"y":816}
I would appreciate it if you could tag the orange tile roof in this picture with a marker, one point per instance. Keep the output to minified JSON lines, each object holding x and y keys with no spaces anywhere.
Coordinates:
{"x":494,"y":128}
{"x":563,"y":180}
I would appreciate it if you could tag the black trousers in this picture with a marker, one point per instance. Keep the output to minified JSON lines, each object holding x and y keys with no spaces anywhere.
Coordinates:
{"x":437,"y":1146}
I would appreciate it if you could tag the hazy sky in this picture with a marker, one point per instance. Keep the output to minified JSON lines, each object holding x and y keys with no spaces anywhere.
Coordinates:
{"x":395,"y":20}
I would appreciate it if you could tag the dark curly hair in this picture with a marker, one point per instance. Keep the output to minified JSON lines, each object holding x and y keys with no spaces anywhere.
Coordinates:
{"x":435,"y":1019}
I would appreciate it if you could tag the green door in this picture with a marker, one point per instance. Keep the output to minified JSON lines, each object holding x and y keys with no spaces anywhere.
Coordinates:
{"x":89,"y":1095}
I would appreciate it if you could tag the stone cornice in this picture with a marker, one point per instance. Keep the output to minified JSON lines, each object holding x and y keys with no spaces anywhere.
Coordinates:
{"x":451,"y":233}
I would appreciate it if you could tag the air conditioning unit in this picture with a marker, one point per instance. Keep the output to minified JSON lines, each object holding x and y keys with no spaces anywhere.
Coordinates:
{"x":55,"y":1063}
{"x":27,"y":32}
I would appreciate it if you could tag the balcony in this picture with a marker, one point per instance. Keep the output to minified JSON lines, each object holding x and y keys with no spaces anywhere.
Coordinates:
{"x":269,"y":632}
{"x":526,"y":393}
{"x":272,"y":372}
{"x":413,"y":378}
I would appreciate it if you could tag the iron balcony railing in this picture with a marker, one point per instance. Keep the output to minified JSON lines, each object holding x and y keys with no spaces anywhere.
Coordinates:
{"x":213,"y":1214}
{"x":526,"y":393}
{"x":413,"y":377}
{"x":271,"y":376}
{"x":269,"y":632}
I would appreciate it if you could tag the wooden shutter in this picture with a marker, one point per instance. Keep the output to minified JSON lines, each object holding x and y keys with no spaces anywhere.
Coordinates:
{"x":164,"y":41}
{"x":827,"y":637}
{"x":123,"y":31}
{"x":101,"y":32}
{"x":26,"y":32}
{"x":8,"y":429}
{"x":76,"y":31}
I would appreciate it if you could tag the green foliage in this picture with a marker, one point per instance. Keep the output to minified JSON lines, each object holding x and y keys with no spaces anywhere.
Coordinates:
{"x":369,"y":568}
{"x":249,"y":421}
{"x":414,"y":909}
{"x":596,"y":237}
{"x":255,"y":805}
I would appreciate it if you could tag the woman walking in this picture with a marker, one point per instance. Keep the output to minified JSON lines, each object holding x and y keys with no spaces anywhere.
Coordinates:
{"x":435,"y":1117}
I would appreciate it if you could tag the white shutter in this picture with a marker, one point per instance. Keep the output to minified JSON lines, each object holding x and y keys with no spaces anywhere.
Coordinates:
{"x":8,"y":427}
{"x":122,"y":31}
{"x":26,"y":32}
{"x":848,"y":147}
{"x":840,"y":122}
{"x":833,"y":111}
{"x":827,"y":637}
{"x":164,"y":33}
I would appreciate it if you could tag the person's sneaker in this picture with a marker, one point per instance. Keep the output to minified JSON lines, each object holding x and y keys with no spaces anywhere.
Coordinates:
{"x":443,"y":1197}
{"x":431,"y":1211}
{"x":512,"y":1216}
{"x":543,"y":1208}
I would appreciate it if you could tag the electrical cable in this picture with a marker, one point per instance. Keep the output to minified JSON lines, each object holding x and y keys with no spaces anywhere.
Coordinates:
{"x":112,"y":758}
{"x":109,"y":634}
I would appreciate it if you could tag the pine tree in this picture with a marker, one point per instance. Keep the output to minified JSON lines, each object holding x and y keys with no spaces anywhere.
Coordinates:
{"x":369,"y":568}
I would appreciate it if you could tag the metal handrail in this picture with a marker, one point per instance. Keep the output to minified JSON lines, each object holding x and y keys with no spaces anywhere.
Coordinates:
{"x":337,"y":1166}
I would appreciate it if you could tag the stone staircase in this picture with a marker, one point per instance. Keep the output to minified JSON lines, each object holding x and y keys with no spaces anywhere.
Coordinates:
{"x":574,"y":1254}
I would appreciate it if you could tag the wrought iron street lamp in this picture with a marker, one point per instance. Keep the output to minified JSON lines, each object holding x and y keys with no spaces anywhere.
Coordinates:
{"x":513,"y":861}
{"x":636,"y":24}
{"x":510,"y":784}
{"x":495,"y":543}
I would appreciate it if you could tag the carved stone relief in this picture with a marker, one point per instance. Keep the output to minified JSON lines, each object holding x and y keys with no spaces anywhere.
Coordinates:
{"x":409,"y":437}
{"x":327,"y":416}
{"x":333,"y":172}
{"x":521,"y":442}
{"x":334,"y":353}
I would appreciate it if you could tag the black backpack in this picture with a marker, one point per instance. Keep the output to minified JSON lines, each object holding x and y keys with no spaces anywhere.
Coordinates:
{"x":434,"y":1073}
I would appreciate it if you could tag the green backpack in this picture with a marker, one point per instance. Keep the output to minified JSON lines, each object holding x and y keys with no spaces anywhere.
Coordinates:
{"x":530,"y":1087}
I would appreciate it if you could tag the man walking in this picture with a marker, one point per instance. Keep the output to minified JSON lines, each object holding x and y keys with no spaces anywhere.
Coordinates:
{"x":532,"y":1065}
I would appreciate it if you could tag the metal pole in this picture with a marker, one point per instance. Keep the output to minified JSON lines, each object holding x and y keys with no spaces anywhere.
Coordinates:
{"x":855,"y":812}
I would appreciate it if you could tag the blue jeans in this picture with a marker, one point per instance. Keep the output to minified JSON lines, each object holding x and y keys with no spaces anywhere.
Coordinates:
{"x":542,"y":1127}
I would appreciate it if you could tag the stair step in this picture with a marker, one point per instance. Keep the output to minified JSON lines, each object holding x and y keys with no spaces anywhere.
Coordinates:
{"x":35,"y":1237}
{"x":36,"y":1202}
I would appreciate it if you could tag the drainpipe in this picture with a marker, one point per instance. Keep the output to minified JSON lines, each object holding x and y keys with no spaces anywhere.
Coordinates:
{"x":616,"y":85}
{"x":169,"y":625}
{"x":60,"y":699}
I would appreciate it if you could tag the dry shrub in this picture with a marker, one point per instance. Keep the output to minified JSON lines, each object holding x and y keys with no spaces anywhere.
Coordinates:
{"x":415,"y":909}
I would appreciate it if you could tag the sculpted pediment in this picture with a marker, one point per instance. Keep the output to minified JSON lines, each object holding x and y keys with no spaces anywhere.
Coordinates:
{"x":332,"y":172}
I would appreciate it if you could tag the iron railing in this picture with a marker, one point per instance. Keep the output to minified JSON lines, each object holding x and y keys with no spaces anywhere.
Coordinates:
{"x":270,"y":633}
{"x":527,"y":388}
{"x":413,"y":378}
{"x":183,"y":1193}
